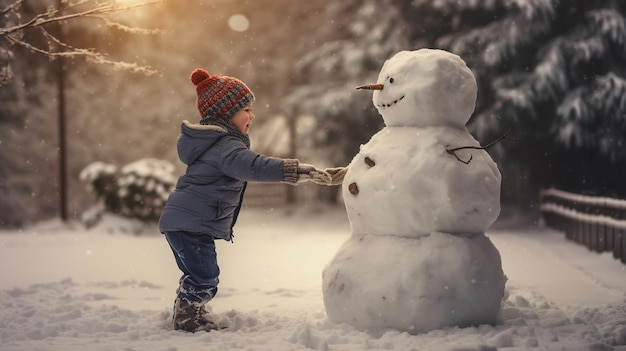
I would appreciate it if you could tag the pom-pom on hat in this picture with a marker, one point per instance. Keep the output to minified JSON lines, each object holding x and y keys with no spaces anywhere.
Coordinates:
{"x":219,"y":96}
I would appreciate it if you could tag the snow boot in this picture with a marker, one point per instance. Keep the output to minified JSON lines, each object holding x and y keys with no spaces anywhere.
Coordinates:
{"x":185,"y":315}
{"x":192,"y":317}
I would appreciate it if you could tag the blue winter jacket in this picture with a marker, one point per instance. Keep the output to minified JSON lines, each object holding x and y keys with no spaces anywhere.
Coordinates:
{"x":207,"y":199}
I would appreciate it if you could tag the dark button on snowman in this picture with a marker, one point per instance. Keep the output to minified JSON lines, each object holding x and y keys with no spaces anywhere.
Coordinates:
{"x":417,"y":258}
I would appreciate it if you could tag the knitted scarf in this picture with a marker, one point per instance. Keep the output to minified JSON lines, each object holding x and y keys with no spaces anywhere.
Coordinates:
{"x":225,"y":123}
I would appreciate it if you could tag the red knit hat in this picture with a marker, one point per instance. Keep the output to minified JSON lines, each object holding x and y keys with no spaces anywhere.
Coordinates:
{"x":219,"y":96}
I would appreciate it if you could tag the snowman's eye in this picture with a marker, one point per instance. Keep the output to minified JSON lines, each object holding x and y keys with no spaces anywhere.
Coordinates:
{"x":391,"y":80}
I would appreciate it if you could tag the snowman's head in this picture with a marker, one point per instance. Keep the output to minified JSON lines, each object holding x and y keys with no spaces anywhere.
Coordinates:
{"x":425,"y":88}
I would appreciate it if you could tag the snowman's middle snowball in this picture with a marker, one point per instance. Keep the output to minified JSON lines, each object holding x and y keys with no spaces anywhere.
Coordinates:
{"x":416,"y":187}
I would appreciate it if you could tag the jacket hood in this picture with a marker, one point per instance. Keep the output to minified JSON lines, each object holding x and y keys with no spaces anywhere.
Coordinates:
{"x":196,"y":139}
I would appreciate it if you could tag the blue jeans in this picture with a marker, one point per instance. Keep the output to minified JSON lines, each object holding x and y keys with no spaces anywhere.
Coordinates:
{"x":196,"y":258}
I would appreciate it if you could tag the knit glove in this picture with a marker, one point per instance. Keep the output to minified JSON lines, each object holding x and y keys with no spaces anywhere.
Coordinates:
{"x":308,"y":172}
{"x":336,"y":175}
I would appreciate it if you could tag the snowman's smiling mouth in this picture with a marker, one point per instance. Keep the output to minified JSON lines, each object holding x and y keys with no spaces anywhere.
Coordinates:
{"x":391,"y":103}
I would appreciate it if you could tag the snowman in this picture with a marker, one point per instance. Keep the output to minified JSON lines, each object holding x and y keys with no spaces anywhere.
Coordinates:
{"x":419,"y":196}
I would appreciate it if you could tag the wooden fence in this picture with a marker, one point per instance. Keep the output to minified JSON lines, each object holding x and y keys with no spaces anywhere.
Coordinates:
{"x":599,"y":223}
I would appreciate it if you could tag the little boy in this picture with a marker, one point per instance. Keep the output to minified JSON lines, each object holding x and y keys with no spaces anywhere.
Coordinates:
{"x":206,"y":201}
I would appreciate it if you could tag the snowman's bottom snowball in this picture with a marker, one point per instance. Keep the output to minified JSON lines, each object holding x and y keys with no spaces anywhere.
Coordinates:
{"x":415,"y":285}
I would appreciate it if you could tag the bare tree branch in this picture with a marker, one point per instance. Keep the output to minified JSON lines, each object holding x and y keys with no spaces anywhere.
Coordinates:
{"x":125,"y":66}
{"x":90,"y":55}
{"x":124,"y":28}
{"x":73,"y":10}
{"x":13,"y":7}
{"x":53,"y":16}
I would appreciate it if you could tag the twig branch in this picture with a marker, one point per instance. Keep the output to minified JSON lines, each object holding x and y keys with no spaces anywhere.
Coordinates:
{"x":90,"y":56}
{"x":502,"y":137}
{"x":53,"y":15}
{"x":13,"y":7}
{"x":124,"y":28}
{"x":76,"y":10}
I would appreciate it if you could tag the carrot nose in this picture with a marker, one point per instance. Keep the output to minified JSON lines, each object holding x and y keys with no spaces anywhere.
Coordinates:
{"x":371,"y":87}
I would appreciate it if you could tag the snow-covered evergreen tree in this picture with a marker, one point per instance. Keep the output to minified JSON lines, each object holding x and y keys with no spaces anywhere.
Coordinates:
{"x":553,"y":70}
{"x":550,"y":69}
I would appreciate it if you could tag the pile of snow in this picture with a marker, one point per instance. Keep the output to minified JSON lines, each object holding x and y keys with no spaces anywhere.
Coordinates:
{"x":139,"y":191}
{"x":67,"y":288}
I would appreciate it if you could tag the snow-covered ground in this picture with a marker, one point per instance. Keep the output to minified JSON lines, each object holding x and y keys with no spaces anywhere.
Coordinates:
{"x":64,"y":287}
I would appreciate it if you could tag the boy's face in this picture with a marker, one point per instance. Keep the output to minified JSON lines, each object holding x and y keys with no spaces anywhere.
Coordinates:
{"x":243,"y":118}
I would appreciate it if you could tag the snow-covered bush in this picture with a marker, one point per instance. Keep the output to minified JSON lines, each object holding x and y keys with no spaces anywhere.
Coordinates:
{"x":139,"y":190}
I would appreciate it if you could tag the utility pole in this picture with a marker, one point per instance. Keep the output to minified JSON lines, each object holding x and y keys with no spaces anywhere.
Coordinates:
{"x":293,"y":151}
{"x":61,"y":119}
